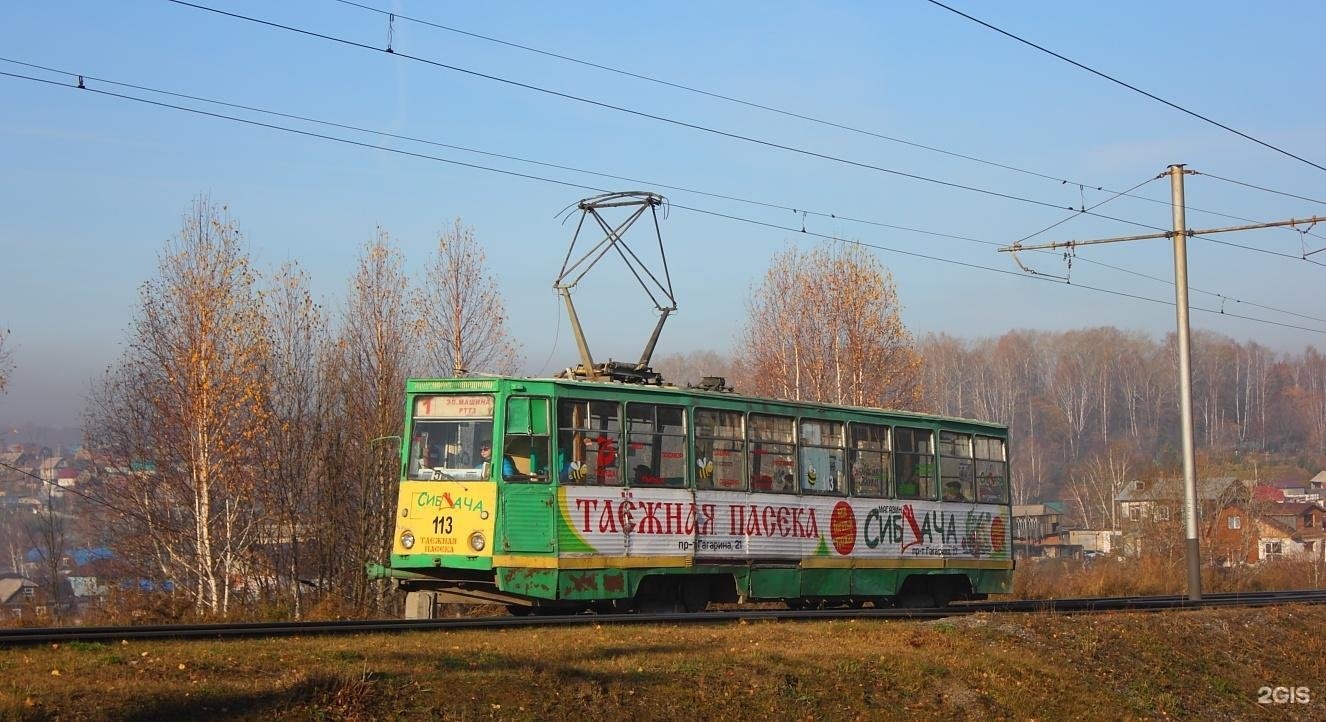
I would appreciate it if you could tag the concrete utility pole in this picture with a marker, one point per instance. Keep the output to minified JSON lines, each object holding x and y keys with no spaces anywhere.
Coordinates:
{"x":1185,"y":383}
{"x":1180,"y":238}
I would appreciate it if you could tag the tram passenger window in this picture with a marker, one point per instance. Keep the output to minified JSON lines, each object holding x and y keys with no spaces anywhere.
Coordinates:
{"x":720,"y":450}
{"x":914,"y":463}
{"x":588,"y":439}
{"x":822,"y":457}
{"x":991,"y":471}
{"x":656,"y":445}
{"x":524,"y":455}
{"x":957,"y":477}
{"x":772,"y":453}
{"x":871,"y":461}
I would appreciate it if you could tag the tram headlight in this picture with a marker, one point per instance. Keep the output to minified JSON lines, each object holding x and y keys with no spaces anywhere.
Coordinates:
{"x":477,"y":542}
{"x":407,"y":539}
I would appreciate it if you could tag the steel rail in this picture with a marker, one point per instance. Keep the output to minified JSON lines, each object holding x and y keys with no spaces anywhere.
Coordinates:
{"x":23,"y":636}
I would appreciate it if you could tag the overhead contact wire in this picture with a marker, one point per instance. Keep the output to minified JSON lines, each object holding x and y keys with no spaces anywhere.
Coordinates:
{"x":222,"y":116}
{"x":771,"y":109}
{"x":1133,"y":88}
{"x":629,"y":111}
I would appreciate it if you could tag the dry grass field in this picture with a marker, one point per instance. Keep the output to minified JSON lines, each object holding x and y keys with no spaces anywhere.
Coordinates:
{"x":1181,"y":665}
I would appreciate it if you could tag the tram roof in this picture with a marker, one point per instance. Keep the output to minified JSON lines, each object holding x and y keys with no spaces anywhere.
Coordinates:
{"x":415,"y":385}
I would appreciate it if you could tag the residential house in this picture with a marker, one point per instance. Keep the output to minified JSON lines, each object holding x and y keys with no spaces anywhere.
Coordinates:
{"x":1316,"y":488}
{"x":1161,"y":500}
{"x":17,"y":463}
{"x":51,"y":467}
{"x":16,"y":594}
{"x":1249,"y":533}
{"x":1103,"y":541}
{"x":1143,"y":505}
{"x":1037,"y":531}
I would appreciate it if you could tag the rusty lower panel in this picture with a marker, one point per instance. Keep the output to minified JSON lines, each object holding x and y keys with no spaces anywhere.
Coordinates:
{"x":591,"y":584}
{"x":536,"y":583}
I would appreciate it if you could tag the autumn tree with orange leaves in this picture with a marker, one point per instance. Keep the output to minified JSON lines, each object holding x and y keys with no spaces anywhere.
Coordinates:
{"x":462,"y":317}
{"x":376,"y":350}
{"x":182,"y":412}
{"x":297,"y":450}
{"x":825,"y":325}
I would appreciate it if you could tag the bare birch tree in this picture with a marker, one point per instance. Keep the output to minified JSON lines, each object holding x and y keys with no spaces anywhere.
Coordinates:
{"x":295,"y":452}
{"x":1095,"y":483}
{"x":185,"y":406}
{"x":374,"y":355}
{"x":825,"y":325}
{"x":461,"y":313}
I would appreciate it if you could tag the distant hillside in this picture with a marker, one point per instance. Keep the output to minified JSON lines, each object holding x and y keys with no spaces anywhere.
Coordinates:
{"x":16,"y":432}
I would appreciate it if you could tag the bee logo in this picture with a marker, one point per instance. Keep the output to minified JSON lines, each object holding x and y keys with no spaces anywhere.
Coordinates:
{"x":810,"y":475}
{"x":706,"y":468}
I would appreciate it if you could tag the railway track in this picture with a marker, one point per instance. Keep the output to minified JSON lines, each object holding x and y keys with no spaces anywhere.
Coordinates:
{"x":48,"y":635}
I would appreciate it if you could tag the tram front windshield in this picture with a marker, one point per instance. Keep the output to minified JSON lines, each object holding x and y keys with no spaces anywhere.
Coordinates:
{"x":450,"y":448}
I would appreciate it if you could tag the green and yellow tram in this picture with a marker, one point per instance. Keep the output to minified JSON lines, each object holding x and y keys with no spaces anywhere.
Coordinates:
{"x":563,"y":495}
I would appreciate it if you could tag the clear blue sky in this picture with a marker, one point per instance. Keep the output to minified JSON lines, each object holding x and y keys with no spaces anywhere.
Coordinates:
{"x":93,"y":185}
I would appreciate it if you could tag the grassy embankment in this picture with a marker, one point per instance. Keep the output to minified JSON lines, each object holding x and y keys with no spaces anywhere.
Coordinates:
{"x":1186,"y":665}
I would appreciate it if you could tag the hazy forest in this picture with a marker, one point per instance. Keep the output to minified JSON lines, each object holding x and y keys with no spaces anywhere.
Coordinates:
{"x":253,"y":433}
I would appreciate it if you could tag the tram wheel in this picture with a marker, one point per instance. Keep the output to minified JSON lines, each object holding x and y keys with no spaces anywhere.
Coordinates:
{"x":695,"y":594}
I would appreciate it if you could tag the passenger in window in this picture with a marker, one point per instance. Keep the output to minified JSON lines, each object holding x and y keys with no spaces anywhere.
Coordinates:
{"x":510,"y":472}
{"x":643,"y":475}
{"x":953,"y":491}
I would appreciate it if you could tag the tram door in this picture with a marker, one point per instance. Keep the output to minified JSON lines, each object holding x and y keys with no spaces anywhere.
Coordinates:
{"x":528,"y":500}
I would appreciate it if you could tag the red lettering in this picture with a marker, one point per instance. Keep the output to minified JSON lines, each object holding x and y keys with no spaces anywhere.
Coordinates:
{"x":672,"y":518}
{"x":650,"y":523}
{"x":607,"y":520}
{"x":626,"y":516}
{"x":752,"y":525}
{"x":710,"y":518}
{"x":587,"y":505}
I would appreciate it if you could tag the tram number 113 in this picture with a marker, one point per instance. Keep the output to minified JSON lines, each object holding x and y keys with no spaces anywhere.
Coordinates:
{"x":442,"y":525}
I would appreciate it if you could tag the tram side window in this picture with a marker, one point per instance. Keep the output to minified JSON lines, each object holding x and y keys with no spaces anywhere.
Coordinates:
{"x":822,"y":457}
{"x":772,"y":455}
{"x":957,"y":477}
{"x":588,"y":439}
{"x":991,"y":471}
{"x":914,"y":463}
{"x":656,"y":445}
{"x":720,"y":450}
{"x":871,"y":460}
{"x":525,"y":446}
